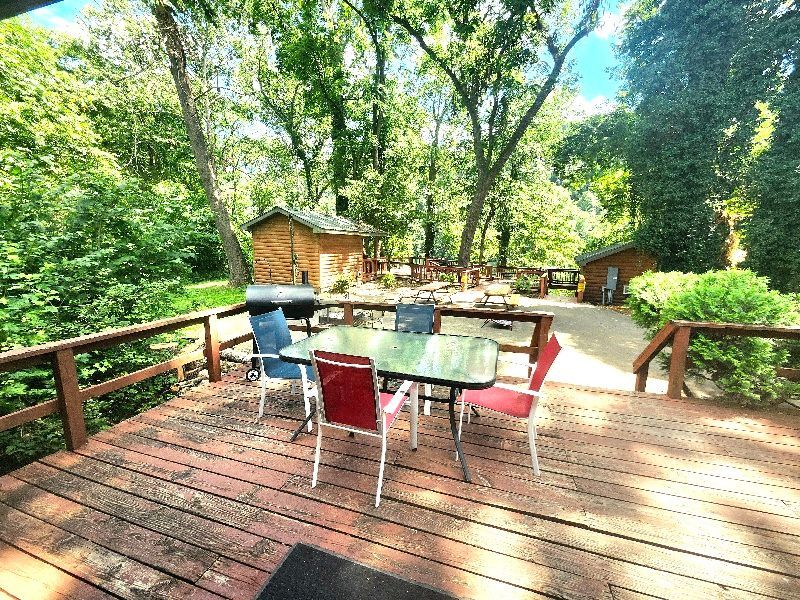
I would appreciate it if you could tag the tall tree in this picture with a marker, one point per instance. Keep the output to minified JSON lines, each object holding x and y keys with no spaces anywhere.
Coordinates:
{"x":696,"y":72}
{"x":771,"y":230}
{"x":170,"y":32}
{"x":494,"y":53}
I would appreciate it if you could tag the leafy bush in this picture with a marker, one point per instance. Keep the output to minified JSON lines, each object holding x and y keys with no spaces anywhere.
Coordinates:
{"x":387,"y":281}
{"x":341,"y":284}
{"x":648,"y":293}
{"x":448,"y":277}
{"x":744,"y":368}
{"x":523,"y":284}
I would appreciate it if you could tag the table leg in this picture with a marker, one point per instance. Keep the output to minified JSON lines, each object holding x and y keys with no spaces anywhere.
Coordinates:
{"x":302,"y":426}
{"x":454,"y":431}
{"x":413,"y":397}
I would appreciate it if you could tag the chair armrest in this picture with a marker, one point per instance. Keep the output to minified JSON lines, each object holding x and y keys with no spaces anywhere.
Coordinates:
{"x":505,"y":386}
{"x":519,"y":364}
{"x":399,"y":396}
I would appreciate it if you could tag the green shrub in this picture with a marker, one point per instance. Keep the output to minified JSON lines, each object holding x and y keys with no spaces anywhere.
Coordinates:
{"x":743,"y":367}
{"x":387,"y":281}
{"x":448,"y":277}
{"x":523,"y":284}
{"x":341,"y":284}
{"x":649,"y":292}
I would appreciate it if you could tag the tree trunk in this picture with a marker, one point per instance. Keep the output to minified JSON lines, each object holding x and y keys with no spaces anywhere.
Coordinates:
{"x":484,"y":184}
{"x":484,"y":229}
{"x":503,"y":243}
{"x":378,"y":103}
{"x":237,"y":269}
{"x":430,"y":230}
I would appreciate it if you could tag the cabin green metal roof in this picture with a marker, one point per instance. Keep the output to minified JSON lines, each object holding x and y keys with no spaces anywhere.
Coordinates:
{"x":588,"y":257}
{"x":318,"y":222}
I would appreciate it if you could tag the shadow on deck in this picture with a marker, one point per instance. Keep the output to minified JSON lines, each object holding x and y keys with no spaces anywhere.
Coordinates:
{"x":639,"y":495}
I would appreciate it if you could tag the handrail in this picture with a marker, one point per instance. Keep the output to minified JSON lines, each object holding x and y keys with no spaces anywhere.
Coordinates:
{"x":661,"y":339}
{"x":70,"y":396}
{"x":679,"y":333}
{"x":11,"y":359}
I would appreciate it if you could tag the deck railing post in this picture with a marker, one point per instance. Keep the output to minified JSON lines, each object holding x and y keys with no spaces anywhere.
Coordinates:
{"x":212,"y":348}
{"x":348,"y":313}
{"x":539,"y":338}
{"x":437,"y":320}
{"x":677,"y":362}
{"x":70,"y":404}
{"x":641,"y":377}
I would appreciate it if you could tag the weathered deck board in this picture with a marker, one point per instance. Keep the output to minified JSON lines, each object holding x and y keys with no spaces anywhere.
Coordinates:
{"x":640,"y":496}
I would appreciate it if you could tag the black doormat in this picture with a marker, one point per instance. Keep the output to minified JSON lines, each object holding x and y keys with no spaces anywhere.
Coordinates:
{"x":309,"y":573}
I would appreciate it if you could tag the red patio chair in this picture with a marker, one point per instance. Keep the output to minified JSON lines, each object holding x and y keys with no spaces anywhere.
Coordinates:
{"x":514,"y":401}
{"x":349,"y":399}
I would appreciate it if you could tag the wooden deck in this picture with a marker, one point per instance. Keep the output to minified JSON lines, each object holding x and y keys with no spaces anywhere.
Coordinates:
{"x":639,"y":496}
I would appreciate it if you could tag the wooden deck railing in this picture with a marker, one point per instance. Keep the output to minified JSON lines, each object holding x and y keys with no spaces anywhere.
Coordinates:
{"x":70,"y":396}
{"x":679,"y":334}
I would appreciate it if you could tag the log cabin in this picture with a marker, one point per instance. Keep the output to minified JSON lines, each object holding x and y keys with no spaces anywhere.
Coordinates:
{"x":323,"y":246}
{"x":629,"y":260}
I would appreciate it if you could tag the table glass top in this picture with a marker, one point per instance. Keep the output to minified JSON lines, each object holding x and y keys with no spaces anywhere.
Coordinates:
{"x":452,"y":360}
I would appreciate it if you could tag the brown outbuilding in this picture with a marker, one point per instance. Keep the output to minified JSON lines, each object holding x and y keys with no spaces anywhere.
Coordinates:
{"x":609,"y":270}
{"x":323,"y":247}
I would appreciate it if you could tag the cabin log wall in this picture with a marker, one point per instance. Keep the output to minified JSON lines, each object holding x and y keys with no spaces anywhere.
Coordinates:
{"x":339,"y":254}
{"x":631,"y":262}
{"x":272,"y":252}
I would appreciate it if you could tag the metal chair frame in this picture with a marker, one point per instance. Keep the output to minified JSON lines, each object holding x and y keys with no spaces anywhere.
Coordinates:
{"x":382,"y":427}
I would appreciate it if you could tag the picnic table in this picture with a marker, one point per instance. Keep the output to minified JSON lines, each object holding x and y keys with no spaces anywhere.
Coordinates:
{"x":430,"y":289}
{"x":497,"y":290}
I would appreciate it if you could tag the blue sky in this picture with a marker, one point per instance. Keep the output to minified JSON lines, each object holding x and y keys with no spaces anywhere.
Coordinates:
{"x":592,"y":56}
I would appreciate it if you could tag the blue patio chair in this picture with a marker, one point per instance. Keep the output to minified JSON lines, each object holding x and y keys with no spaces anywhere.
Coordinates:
{"x":416,"y":318}
{"x":271,"y":333}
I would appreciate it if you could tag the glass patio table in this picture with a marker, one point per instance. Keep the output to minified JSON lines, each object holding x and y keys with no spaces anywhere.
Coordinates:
{"x":455,"y":361}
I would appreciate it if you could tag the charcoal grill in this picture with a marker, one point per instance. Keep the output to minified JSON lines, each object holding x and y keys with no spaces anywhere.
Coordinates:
{"x":297,"y":301}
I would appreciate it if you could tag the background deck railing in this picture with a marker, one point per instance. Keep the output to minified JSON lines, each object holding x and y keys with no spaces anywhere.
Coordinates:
{"x":70,"y":396}
{"x":679,"y":334}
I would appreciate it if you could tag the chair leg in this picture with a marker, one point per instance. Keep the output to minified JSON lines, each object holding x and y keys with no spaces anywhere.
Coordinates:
{"x":427,"y":409}
{"x":380,"y":473}
{"x":460,"y":421}
{"x":308,"y":410}
{"x":413,"y":397}
{"x":263,"y":393}
{"x":532,"y":444}
{"x":316,"y":456}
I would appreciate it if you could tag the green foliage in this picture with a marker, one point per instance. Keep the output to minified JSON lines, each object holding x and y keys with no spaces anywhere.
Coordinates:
{"x":86,"y":244}
{"x":524,"y":284}
{"x":206,"y":295}
{"x":342,"y":283}
{"x":744,"y":368}
{"x":388,"y":281}
{"x":648,"y":295}
{"x":693,"y":140}
{"x":448,"y":277}
{"x":771,"y":232}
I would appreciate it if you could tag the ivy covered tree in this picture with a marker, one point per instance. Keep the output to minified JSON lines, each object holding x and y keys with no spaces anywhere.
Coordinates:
{"x":695,"y":74}
{"x":771,"y":230}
